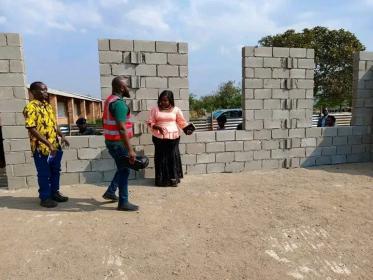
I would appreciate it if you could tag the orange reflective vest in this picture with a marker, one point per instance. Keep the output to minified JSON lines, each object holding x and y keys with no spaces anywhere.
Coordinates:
{"x":112,"y":131}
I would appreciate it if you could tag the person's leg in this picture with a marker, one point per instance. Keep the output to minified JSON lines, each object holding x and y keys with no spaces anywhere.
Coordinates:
{"x":43,"y":174}
{"x":110,"y":192}
{"x":55,"y":167}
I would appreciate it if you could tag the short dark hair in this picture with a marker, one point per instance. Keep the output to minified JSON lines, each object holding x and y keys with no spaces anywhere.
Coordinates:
{"x":81,"y":121}
{"x":36,"y":85}
{"x":115,"y":83}
{"x":169,"y":94}
{"x":222,"y":118}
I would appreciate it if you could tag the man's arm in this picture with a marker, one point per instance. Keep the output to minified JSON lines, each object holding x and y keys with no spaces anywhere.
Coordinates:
{"x":63,"y":139}
{"x":34,"y":132}
{"x":127,"y":142}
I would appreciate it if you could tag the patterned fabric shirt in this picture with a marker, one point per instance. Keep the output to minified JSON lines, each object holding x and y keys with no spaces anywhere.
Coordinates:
{"x":40,"y":115}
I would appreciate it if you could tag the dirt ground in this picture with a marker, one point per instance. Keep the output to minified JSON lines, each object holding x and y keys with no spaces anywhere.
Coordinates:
{"x":282,"y":224}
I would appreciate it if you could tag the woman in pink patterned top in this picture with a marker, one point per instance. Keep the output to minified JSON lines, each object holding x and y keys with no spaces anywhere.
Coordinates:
{"x":166,"y":120}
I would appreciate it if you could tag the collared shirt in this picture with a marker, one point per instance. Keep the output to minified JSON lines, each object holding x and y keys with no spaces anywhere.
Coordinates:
{"x":40,"y":115}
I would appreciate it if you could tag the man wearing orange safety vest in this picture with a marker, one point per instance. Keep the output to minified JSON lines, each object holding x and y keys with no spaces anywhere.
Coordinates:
{"x":117,"y":132}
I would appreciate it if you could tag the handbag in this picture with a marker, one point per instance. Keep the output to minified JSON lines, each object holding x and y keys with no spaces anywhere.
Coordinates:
{"x":188,"y":130}
{"x":141,"y":162}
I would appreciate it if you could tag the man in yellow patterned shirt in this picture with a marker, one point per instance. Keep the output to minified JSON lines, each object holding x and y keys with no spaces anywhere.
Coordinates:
{"x":40,"y":120}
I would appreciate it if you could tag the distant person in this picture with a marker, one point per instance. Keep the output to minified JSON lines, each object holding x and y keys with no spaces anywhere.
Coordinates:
{"x":222,"y":120}
{"x":239,"y":126}
{"x":322,"y":119}
{"x":81,"y":123}
{"x":166,"y":120}
{"x":41,"y":123}
{"x":330,"y":121}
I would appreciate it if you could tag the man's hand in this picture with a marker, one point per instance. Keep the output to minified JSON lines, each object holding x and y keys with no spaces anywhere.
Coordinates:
{"x":52,"y":149}
{"x":132,"y":156}
{"x":64,"y":142}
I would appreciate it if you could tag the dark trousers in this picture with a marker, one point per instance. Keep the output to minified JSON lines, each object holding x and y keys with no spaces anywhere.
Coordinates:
{"x":48,"y":174}
{"x":120,"y":180}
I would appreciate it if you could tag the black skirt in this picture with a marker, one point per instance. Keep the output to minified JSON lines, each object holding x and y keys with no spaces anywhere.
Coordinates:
{"x":167,"y":161}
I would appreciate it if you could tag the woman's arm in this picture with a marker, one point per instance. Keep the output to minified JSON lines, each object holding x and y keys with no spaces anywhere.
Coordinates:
{"x":180,"y":120}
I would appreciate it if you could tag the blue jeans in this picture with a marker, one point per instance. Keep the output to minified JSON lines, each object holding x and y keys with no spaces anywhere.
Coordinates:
{"x":48,"y":174}
{"x":120,"y":180}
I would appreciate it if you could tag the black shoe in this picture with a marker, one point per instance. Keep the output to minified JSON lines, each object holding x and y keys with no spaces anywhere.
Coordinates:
{"x":127,"y":207}
{"x":48,"y":203}
{"x":58,"y":197}
{"x":173,"y":183}
{"x":111,"y":197}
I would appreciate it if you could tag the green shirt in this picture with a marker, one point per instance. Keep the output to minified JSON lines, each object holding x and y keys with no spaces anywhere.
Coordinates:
{"x":119,"y":110}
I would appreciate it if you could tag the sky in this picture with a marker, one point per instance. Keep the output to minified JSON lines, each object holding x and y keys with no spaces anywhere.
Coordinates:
{"x":60,"y":36}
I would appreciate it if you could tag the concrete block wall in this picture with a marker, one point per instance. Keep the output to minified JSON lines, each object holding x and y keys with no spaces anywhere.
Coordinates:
{"x":362,"y":95}
{"x":13,"y":98}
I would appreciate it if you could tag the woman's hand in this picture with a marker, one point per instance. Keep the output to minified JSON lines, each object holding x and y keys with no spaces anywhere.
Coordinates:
{"x":162,"y":130}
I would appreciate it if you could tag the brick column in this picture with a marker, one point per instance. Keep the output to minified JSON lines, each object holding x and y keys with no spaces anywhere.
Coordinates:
{"x":82,"y":109}
{"x":53,"y":102}
{"x":13,"y":98}
{"x":70,"y":111}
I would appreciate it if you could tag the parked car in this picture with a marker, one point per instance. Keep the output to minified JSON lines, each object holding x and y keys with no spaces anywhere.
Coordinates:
{"x":229,"y":113}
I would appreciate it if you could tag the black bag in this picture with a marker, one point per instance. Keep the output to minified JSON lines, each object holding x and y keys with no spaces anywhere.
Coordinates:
{"x":141,"y":162}
{"x":188,"y":130}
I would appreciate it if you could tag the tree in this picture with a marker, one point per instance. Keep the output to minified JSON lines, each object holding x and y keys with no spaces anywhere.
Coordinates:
{"x":334,"y":51}
{"x":227,"y":96}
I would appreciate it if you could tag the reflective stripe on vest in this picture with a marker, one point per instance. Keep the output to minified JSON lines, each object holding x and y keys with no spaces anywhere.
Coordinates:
{"x":111,"y":130}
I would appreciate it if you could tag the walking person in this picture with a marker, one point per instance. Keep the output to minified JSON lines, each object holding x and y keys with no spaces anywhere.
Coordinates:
{"x":165,"y":121}
{"x":117,"y":133}
{"x":40,"y":121}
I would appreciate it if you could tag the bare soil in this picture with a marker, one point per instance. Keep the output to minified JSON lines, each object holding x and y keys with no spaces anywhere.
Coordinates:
{"x":277,"y":224}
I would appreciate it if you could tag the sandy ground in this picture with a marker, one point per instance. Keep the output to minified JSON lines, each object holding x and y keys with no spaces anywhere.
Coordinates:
{"x":283,"y":224}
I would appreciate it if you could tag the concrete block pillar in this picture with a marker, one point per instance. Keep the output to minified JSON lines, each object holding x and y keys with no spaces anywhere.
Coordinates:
{"x":13,"y":98}
{"x":362,"y":96}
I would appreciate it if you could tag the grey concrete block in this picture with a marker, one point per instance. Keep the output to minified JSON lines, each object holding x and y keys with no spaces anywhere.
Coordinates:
{"x":344,"y":131}
{"x":354,"y":139}
{"x":243,"y":156}
{"x":270,"y":144}
{"x":298,"y":52}
{"x":155,"y":58}
{"x":121,"y":45}
{"x":253,"y":145}
{"x":253,"y":165}
{"x":14,"y":132}
{"x":262,"y":134}
{"x":4,"y":66}
{"x":182,"y":47}
{"x":344,"y":149}
{"x":323,"y":160}
{"x":184,"y":94}
{"x":310,"y":53}
{"x":225,"y":135}
{"x":272,"y":83}
{"x":310,"y":74}
{"x":270,"y":124}
{"x":78,"y":142}
{"x":147,"y":93}
{"x":254,"y":125}
{"x":281,"y":52}
{"x":263,"y":114}
{"x":306,"y":84}
{"x":244,"y":135}
{"x":105,"y":70}
{"x":206,"y":158}
{"x":103,"y":45}
{"x":140,"y":45}
{"x":13,"y":105}
{"x":78,"y":166}
{"x":263,"y":51}
{"x":206,"y":136}
{"x":166,"y":47}
{"x":270,"y":164}
{"x":183,"y":71}
{"x":188,"y":139}
{"x":339,"y":159}
{"x":308,"y":142}
{"x":304,"y":103}
{"x":249,"y":72}
{"x":297,"y":152}
{"x":262,"y":155}
{"x":96,"y":141}
{"x":215,"y":147}
{"x":225,"y":157}
{"x":177,"y":59}
{"x":189,"y":159}
{"x":313,"y":132}
{"x":298,"y":73}
{"x":340,"y":140}
{"x":329,"y":151}
{"x":233,"y":167}
{"x":24,"y":169}
{"x":272,"y":62}
{"x":248,"y":115}
{"x":168,"y":70}
{"x":313,"y":151}
{"x":357,"y":149}
{"x":308,"y":162}
{"x":254,"y":104}
{"x":262,"y":93}
{"x":110,"y":57}
{"x":17,"y":145}
{"x":103,"y":165}
{"x":280,"y":114}
{"x":324,"y":141}
{"x":253,"y":83}
{"x":263,"y":73}
{"x":280,"y":93}
{"x":280,"y":73}
{"x":6,"y":93}
{"x":69,"y":178}
{"x":145,"y":70}
{"x":329,"y":131}
{"x":232,"y":146}
{"x":14,"y":39}
{"x":91,"y":177}
{"x":17,"y":183}
{"x":279,"y":154}
{"x":253,"y":62}
{"x":280,"y":133}
{"x":178,"y":83}
{"x":306,"y":63}
{"x":248,"y":51}
{"x":272,"y":104}
{"x":2,"y":39}
{"x":155,"y":82}
{"x":197,"y":169}
{"x":146,"y":139}
{"x":196,"y":148}
{"x":89,"y":153}
{"x":215,"y":167}
{"x":10,"y":52}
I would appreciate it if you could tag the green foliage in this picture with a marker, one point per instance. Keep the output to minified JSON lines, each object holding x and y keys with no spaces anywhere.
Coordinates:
{"x":226,"y":97}
{"x":334,"y":51}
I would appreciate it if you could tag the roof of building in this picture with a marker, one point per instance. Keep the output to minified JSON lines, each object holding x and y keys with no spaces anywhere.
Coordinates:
{"x":70,"y":94}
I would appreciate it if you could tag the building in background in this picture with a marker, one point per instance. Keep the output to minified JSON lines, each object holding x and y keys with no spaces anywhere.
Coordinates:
{"x":71,"y":106}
